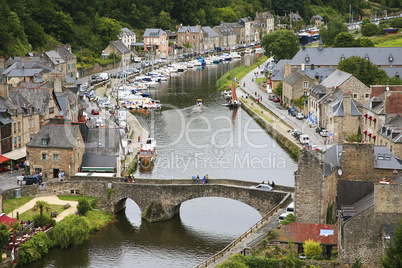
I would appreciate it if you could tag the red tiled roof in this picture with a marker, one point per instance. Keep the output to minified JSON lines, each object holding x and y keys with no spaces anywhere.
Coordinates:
{"x":301,"y":232}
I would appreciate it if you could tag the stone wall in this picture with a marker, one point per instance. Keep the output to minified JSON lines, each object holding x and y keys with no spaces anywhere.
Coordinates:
{"x":358,"y":162}
{"x":388,"y":198}
{"x":27,"y":190}
{"x":355,"y":86}
{"x":309,"y":187}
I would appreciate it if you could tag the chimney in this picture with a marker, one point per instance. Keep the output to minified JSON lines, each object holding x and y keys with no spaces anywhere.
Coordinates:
{"x":288,"y":69}
{"x":4,"y":90}
{"x":347,"y":103}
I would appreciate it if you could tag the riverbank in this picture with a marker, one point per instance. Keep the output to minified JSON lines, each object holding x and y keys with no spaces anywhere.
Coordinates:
{"x":225,"y":81}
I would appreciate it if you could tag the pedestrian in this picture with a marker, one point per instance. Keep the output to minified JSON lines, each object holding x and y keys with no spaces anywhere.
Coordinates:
{"x":263,"y":182}
{"x":206,"y":179}
{"x":255,"y":93}
{"x":268,"y":182}
{"x":273,"y":184}
{"x":198,"y":179}
{"x":139,"y":138}
{"x":244,"y":84}
{"x":125,"y":179}
{"x":203,"y":180}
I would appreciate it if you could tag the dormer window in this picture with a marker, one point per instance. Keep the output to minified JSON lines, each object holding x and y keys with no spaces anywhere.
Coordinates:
{"x":307,"y":59}
{"x":366,"y":57}
{"x":390,"y":58}
{"x":44,"y":141}
{"x":342,"y":57}
{"x":397,"y":75}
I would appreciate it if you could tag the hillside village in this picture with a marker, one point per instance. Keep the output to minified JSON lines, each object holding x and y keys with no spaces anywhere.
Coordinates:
{"x":355,"y":185}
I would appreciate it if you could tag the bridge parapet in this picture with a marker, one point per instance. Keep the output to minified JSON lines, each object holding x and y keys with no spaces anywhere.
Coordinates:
{"x":159,"y":202}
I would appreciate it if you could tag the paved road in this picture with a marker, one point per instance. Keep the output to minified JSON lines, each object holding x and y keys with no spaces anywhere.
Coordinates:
{"x":8,"y":180}
{"x":252,"y":87}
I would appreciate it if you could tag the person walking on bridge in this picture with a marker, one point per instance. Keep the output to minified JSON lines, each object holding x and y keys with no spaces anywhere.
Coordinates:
{"x":203,"y":180}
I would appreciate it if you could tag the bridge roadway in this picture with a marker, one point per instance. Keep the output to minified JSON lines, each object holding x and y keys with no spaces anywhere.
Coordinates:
{"x":160,"y":199}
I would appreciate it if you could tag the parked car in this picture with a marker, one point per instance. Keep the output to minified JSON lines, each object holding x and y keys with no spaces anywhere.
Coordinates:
{"x":276,"y":99}
{"x":32,"y":179}
{"x":271,"y":97}
{"x":324,"y":133}
{"x":300,"y":116}
{"x":283,"y":216}
{"x":319,"y":129}
{"x":293,"y":113}
{"x":265,"y":187}
{"x":302,"y":256}
{"x":291,"y":207}
{"x":95,"y":111}
{"x":297,"y":133}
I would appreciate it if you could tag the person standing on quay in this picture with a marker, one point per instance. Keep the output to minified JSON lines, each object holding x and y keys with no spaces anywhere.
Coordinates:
{"x":206,"y":179}
{"x":203,"y":180}
{"x":198,"y":179}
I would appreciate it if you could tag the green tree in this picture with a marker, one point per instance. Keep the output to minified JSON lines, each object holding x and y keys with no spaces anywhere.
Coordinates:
{"x":364,"y":70}
{"x":393,"y":253}
{"x":343,"y":39}
{"x":108,"y":29}
{"x":284,"y":44}
{"x":289,"y":219}
{"x":33,"y":249}
{"x":363,"y":42}
{"x":369,"y":29}
{"x":278,"y":89}
{"x":73,"y":230}
{"x":41,"y":206}
{"x":83,"y":206}
{"x":312,"y":248}
{"x":299,"y":102}
{"x":396,"y":23}
{"x":333,"y":28}
{"x":4,"y":234}
{"x":164,"y":21}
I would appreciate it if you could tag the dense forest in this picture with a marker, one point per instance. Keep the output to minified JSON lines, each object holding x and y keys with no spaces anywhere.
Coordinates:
{"x":33,"y":25}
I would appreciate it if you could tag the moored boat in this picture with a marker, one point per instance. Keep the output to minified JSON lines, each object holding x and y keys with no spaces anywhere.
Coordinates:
{"x":148,"y":153}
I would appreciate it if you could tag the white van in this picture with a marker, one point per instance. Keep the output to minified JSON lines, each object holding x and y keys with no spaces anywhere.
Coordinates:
{"x":304,"y":139}
{"x":137,"y":59}
{"x":291,"y":208}
{"x":104,"y":76}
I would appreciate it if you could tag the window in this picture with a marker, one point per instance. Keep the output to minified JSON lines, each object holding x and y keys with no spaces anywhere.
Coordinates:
{"x":51,"y":110}
{"x":19,"y":126}
{"x":44,"y":141}
{"x":15,"y":127}
{"x":305,"y":84}
{"x":44,"y":156}
{"x":15,"y":142}
{"x":367,"y":95}
{"x":56,"y":157}
{"x":38,"y":170}
{"x":355,"y":96}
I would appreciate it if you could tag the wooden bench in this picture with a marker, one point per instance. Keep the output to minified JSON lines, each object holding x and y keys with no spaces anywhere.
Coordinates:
{"x":66,"y":206}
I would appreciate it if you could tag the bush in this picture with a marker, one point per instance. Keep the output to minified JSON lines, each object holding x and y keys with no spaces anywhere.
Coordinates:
{"x":34,"y":248}
{"x":83,"y":206}
{"x":71,"y":231}
{"x":312,"y":248}
{"x":94,"y":203}
{"x":4,"y":234}
{"x":289,"y":219}
{"x":45,"y":220}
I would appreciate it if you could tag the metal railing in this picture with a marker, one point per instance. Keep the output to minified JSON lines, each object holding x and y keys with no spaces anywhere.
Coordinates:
{"x":258,"y":224}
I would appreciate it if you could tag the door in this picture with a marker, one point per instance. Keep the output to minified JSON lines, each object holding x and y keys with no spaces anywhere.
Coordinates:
{"x":56,"y":172}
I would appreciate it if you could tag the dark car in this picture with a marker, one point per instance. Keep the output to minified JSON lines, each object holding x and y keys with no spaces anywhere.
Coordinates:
{"x":94,"y":111}
{"x":32,"y":179}
{"x":293,"y":113}
{"x":319,"y":129}
{"x":297,"y":134}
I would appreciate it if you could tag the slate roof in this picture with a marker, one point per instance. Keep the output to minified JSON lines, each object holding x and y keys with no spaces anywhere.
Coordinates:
{"x":392,"y":71}
{"x":279,"y":76}
{"x":64,"y":51}
{"x":225,"y":30}
{"x":301,"y":232}
{"x":55,"y":57}
{"x":336,"y":79}
{"x":318,"y":89}
{"x":102,"y":141}
{"x":126,"y":31}
{"x":5,"y":120}
{"x":348,"y":212}
{"x":322,"y":73}
{"x":316,"y":17}
{"x":332,"y":159}
{"x":118,"y":44}
{"x":385,"y":159}
{"x":293,"y":77}
{"x":152,"y":32}
{"x":102,"y":161}
{"x":209,"y":32}
{"x":27,"y":69}
{"x":331,"y":56}
{"x":191,"y":29}
{"x":338,"y":105}
{"x":376,"y":105}
{"x":60,"y":136}
{"x":395,"y":129}
{"x":11,"y":108}
{"x":279,"y":66}
{"x":38,"y":97}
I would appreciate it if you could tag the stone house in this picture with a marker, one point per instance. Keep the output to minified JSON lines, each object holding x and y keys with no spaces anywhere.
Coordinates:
{"x":365,"y":226}
{"x":6,"y":137}
{"x":127,"y":37}
{"x":55,"y":61}
{"x":44,"y":101}
{"x":386,"y":58}
{"x":192,"y":35}
{"x":299,"y":233}
{"x":71,"y":60}
{"x":227,"y":35}
{"x":266,"y":21}
{"x":56,"y":148}
{"x":326,"y":181}
{"x":239,"y":31}
{"x":211,"y":38}
{"x":118,"y":48}
{"x":316,"y":94}
{"x":317,"y":20}
{"x":156,"y":41}
{"x":246,"y":24}
{"x":295,"y":85}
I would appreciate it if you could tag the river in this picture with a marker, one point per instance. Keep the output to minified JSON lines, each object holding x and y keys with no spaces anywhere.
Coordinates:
{"x":190,"y":141}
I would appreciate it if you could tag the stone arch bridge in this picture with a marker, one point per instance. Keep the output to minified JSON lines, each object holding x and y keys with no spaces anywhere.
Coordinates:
{"x":161,"y":199}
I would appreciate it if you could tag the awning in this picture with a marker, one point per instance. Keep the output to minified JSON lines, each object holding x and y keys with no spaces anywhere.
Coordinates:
{"x":16,"y":154}
{"x":3,"y":159}
{"x":7,"y":220}
{"x":97,"y":169}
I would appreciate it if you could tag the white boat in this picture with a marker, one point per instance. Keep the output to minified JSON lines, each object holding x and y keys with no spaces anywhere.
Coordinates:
{"x":235,"y":55}
{"x":198,"y":103}
{"x":148,"y":153}
{"x":259,"y":50}
{"x":248,"y":51}
{"x":226,"y":95}
{"x":234,"y":102}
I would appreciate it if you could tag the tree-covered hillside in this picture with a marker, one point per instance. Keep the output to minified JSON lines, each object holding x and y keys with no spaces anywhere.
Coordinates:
{"x":30,"y":25}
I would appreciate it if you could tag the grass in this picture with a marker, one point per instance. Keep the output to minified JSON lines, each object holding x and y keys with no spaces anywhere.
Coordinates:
{"x":261,"y":79}
{"x":75,"y":198}
{"x":391,"y":40}
{"x":29,"y":214}
{"x":14,"y":203}
{"x":224,"y":83}
{"x":99,"y":219}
